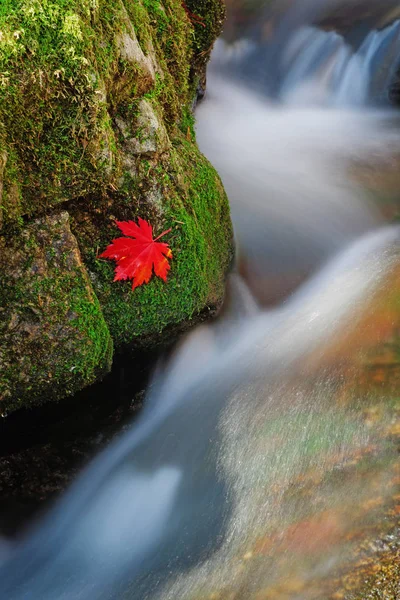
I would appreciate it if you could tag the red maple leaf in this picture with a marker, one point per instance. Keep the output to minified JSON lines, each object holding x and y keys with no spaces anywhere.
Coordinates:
{"x":138,"y":254}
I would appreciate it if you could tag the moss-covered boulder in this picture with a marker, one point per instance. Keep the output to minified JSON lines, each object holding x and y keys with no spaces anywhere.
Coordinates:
{"x":96,"y":126}
{"x":54,"y":338}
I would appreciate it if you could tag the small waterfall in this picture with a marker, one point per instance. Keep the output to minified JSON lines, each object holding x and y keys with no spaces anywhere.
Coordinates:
{"x":321,"y":67}
{"x":307,"y":65}
{"x":285,"y":169}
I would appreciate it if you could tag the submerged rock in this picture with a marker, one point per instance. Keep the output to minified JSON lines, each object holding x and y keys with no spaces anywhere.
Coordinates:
{"x":95,"y":121}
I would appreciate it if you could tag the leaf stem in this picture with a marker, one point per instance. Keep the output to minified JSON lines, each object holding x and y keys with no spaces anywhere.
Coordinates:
{"x":163,"y":233}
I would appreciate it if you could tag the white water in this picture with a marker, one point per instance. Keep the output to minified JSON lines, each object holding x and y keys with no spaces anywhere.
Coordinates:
{"x":187,"y":476}
{"x":285,"y":170}
{"x":171,"y":508}
{"x":322,"y":68}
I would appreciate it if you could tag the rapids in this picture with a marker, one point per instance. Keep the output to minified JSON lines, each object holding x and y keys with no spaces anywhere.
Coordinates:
{"x":241,"y":477}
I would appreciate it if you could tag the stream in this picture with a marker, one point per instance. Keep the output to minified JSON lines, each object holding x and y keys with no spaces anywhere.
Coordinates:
{"x":265,"y":461}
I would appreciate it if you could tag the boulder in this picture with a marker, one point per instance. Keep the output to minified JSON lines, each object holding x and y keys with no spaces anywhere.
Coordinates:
{"x":54,"y":339}
{"x":96,"y":126}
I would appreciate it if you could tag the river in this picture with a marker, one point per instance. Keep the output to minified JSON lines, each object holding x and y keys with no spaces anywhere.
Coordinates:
{"x":266,"y":454}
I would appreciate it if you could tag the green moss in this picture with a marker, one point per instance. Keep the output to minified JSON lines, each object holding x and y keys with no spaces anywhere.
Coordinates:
{"x":212,"y":15}
{"x":53,"y":337}
{"x":195,"y":206}
{"x":187,"y":124}
{"x":62,"y":78}
{"x":49,"y":103}
{"x":58,"y":87}
{"x":70,"y":106}
{"x":206,"y":31}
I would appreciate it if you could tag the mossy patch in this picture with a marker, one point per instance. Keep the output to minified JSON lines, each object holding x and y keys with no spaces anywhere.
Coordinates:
{"x":53,"y":337}
{"x":195,"y":206}
{"x":54,"y":122}
{"x":206,"y":30}
{"x":63,"y":75}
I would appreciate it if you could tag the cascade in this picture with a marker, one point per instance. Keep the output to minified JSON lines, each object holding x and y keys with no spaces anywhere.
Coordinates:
{"x":241,"y":474}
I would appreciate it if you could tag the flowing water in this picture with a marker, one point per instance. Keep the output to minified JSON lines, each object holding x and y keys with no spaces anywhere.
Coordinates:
{"x":267,"y":448}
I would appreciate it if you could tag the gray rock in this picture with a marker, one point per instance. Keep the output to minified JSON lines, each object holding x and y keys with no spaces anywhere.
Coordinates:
{"x":152,"y":137}
{"x":154,"y":198}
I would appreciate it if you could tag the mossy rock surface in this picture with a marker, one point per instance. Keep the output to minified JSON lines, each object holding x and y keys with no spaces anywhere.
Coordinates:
{"x":182,"y":192}
{"x":96,"y":125}
{"x":54,"y":338}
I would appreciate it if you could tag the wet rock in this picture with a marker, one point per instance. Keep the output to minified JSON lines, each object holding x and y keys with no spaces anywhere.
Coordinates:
{"x":96,"y":125}
{"x":150,"y":134}
{"x":53,"y":337}
{"x":132,"y":52}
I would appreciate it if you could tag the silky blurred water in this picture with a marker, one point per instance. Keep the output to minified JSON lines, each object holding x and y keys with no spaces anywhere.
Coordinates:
{"x":251,"y":470}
